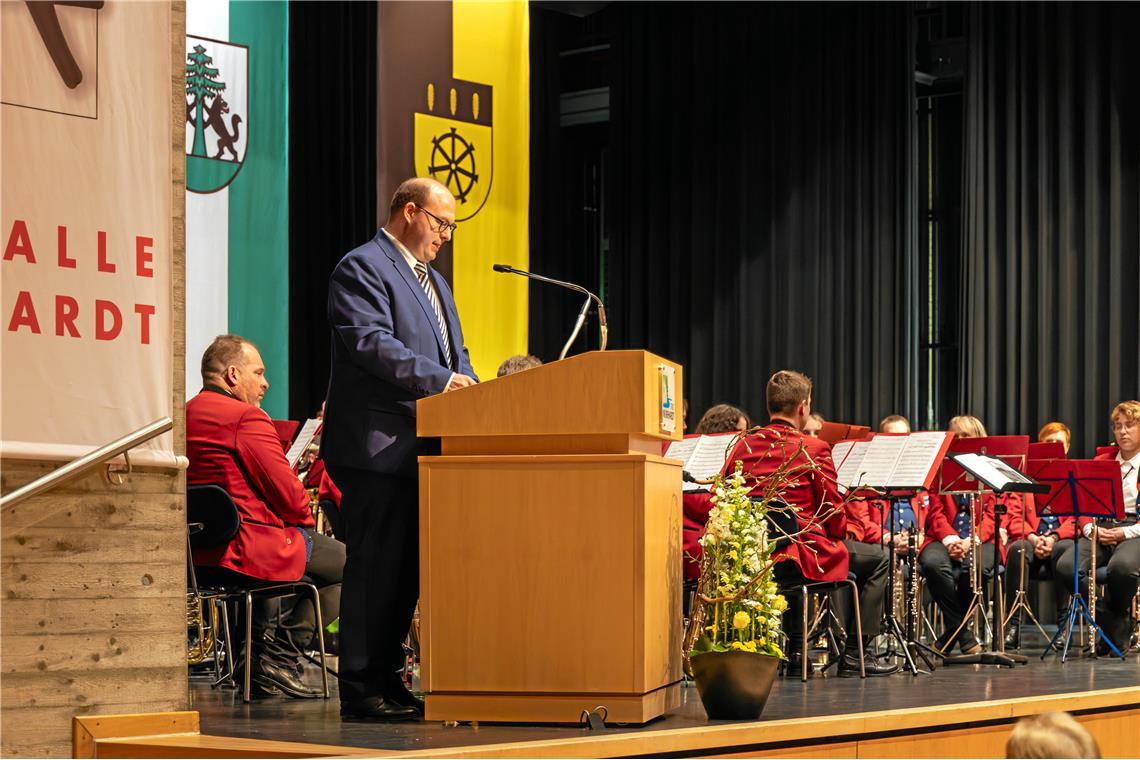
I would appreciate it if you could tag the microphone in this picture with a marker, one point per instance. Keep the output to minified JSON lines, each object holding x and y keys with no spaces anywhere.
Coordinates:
{"x":508,"y":269}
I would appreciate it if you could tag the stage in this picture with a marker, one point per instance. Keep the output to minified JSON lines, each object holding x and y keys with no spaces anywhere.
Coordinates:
{"x":960,"y":711}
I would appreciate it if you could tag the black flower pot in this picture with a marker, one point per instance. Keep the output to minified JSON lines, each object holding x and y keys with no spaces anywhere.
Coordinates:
{"x":734,"y":685}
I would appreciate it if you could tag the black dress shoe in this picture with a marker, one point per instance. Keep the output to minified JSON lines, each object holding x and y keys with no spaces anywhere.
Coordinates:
{"x":397,"y":693}
{"x":872,"y":665}
{"x":1013,"y":636}
{"x":376,"y":708}
{"x":270,"y":674}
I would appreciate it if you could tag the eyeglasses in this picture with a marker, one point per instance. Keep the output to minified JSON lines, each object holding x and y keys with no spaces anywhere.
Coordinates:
{"x":1120,"y":427}
{"x":443,"y":223}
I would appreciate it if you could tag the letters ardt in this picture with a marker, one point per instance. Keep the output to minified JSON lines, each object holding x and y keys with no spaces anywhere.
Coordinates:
{"x":107,"y":315}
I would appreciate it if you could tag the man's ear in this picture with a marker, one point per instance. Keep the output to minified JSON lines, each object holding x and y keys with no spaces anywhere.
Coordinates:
{"x":230,"y":376}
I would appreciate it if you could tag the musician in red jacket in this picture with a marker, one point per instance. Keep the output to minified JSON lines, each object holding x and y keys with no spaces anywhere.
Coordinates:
{"x":232,"y":443}
{"x":1118,"y":541}
{"x":819,"y":553}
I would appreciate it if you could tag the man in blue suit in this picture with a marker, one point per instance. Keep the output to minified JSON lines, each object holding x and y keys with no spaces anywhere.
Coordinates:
{"x":396,"y":338}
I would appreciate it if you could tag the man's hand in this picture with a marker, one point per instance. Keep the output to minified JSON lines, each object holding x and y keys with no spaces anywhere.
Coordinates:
{"x":958,"y":549}
{"x":1109,"y":536}
{"x":1043,"y":548}
{"x":901,"y":542}
{"x":459,"y":381}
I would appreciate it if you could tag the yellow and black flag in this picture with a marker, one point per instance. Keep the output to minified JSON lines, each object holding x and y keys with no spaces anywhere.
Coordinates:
{"x":454,"y":102}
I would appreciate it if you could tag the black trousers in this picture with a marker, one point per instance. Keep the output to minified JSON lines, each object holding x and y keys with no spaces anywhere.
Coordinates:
{"x":870,"y":564}
{"x":324,"y":568}
{"x":381,"y":577}
{"x":1123,"y":563}
{"x":949,"y":584}
{"x":1033,"y":567}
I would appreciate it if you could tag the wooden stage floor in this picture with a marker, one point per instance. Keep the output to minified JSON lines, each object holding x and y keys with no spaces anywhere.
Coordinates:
{"x":317,"y":721}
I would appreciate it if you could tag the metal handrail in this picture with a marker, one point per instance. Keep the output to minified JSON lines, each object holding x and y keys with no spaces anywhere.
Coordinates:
{"x":77,"y":467}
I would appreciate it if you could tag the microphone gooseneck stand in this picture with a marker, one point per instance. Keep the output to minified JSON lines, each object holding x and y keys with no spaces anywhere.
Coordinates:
{"x":590,"y":298}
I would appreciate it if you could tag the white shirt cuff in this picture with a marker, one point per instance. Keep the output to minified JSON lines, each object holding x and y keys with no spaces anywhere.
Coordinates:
{"x":1087,"y":530}
{"x":952,"y":539}
{"x":1132,"y":531}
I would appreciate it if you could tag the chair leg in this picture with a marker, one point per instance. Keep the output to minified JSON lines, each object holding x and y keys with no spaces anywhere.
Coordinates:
{"x":229,"y":674}
{"x":320,"y":638}
{"x":858,"y":628}
{"x":248,"y":644}
{"x":804,"y":638}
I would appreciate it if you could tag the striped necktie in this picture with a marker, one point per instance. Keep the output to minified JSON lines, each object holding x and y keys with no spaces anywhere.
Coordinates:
{"x":422,"y":276}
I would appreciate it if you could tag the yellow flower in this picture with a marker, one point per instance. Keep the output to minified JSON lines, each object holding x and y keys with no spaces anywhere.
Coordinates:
{"x":741,"y":620}
{"x":780,"y":604}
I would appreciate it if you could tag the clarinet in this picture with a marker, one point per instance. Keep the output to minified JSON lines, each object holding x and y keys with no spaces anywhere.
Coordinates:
{"x":913,"y":541}
{"x":1092,"y":587}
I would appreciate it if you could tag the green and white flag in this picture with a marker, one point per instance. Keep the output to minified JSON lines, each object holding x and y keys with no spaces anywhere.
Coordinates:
{"x":237,"y":184}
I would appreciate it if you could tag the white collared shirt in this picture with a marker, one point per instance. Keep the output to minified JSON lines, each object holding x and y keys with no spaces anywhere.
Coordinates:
{"x":412,"y":261}
{"x":1129,"y":469}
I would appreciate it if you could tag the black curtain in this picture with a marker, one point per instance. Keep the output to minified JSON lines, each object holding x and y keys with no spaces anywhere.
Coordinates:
{"x":1051,"y":272}
{"x":332,"y":172}
{"x":760,"y":204}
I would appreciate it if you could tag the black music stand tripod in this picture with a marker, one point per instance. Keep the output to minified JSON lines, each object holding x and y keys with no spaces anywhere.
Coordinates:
{"x":1000,"y":478}
{"x":909,"y":648}
{"x":1075,"y":491}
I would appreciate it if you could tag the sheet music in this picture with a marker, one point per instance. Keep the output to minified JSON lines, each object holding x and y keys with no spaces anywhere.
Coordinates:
{"x":882,"y":456}
{"x":304,"y":438}
{"x":852,"y":466}
{"x":682,"y":449}
{"x":993,"y":471}
{"x":917,"y":460}
{"x":840,"y":451}
{"x":703,"y":456}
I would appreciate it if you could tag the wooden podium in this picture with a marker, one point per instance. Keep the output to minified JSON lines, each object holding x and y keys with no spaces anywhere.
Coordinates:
{"x":550,"y":545}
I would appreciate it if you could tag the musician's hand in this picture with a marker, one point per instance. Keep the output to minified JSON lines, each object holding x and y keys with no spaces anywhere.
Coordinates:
{"x":958,"y":549}
{"x":1034,"y":539}
{"x":901,"y":544}
{"x":1004,"y":535}
{"x":459,"y":381}
{"x":1043,"y":549}
{"x":1110,"y":536}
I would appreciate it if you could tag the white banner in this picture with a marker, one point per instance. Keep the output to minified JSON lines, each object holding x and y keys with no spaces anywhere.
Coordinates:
{"x":86,"y":219}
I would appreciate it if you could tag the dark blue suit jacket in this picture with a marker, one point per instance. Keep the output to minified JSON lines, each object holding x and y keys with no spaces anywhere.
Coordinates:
{"x":387,"y":352}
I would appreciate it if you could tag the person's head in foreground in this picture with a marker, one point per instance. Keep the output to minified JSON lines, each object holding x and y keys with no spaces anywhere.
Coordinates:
{"x":1052,"y":734}
{"x":789,"y":397}
{"x":723,"y":418}
{"x":894,"y":423}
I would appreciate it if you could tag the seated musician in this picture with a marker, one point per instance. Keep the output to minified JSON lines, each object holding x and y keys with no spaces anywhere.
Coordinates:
{"x":818,"y":554}
{"x":814,"y":424}
{"x":724,"y":418}
{"x":720,"y":418}
{"x":1056,"y":431}
{"x":946,"y":564}
{"x":894,"y":423}
{"x":231,"y":443}
{"x":1037,"y":539}
{"x":518,"y":363}
{"x":1118,"y":541}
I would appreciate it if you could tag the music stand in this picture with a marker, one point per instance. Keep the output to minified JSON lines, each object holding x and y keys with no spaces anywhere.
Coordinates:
{"x":997,"y":475}
{"x":1040,"y":455}
{"x":1082,"y":488}
{"x":910,"y":647}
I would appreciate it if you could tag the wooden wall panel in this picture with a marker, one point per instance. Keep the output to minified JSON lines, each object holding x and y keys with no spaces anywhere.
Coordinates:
{"x":93,"y":575}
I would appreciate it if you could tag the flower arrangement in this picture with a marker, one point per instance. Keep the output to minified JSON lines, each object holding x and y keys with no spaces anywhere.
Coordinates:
{"x":738,"y":606}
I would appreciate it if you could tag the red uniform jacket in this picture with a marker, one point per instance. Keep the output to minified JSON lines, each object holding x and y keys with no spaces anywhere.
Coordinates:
{"x":867,"y":516}
{"x":233,"y":444}
{"x":1014,"y":519}
{"x":819,"y":551}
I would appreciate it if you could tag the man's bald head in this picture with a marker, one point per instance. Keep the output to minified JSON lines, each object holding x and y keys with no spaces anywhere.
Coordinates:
{"x":417,"y":190}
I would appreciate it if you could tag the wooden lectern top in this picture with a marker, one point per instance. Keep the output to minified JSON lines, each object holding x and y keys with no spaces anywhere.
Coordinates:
{"x":598,"y":392}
